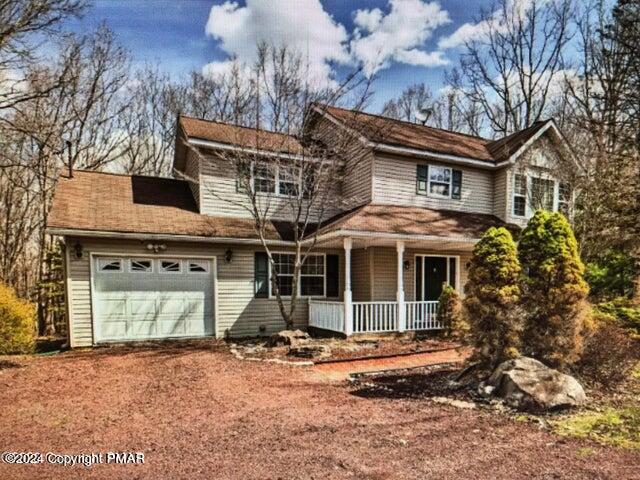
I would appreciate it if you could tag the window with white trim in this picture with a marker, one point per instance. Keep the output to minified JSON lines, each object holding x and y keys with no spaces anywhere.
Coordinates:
{"x":312,"y":276}
{"x":170,"y":266}
{"x":140,"y":266}
{"x":564,"y":198}
{"x":519,"y":195}
{"x":439,"y":181}
{"x":288,"y":181}
{"x":198,"y":266}
{"x":311,"y":279}
{"x":284,"y":265}
{"x":542,"y":193}
{"x":264,"y":178}
{"x":110,"y":264}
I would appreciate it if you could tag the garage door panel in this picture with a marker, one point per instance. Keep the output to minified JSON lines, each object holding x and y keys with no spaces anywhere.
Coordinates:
{"x":137,"y":305}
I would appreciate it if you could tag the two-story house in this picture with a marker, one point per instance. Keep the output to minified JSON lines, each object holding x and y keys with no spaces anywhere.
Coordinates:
{"x":151,"y":257}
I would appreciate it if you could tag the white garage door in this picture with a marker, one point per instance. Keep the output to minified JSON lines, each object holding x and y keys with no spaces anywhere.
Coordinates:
{"x":143,"y":298}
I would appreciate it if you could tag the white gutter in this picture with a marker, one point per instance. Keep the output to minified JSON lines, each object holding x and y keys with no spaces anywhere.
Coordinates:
{"x":70,"y":232}
{"x":442,"y":156}
{"x":392,"y":236}
{"x":254,"y":151}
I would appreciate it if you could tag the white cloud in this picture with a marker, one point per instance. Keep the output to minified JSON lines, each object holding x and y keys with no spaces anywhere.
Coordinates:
{"x":380,"y":39}
{"x":301,"y":25}
{"x":498,"y":21}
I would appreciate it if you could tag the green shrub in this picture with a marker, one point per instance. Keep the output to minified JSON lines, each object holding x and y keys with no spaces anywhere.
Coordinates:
{"x":611,"y":275}
{"x":553,"y":290}
{"x":450,"y":314}
{"x":620,"y":311}
{"x":17,"y":323}
{"x":492,"y":298}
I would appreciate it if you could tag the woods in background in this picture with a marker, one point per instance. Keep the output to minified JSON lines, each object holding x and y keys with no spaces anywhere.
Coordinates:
{"x":75,"y":100}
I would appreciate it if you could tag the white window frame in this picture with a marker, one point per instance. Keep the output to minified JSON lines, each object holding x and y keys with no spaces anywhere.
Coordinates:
{"x":569,"y":201}
{"x":103,"y":261}
{"x":448,"y":257}
{"x":131,"y":270}
{"x":276,"y":169}
{"x":429,"y":182}
{"x":205,"y":265}
{"x":554,"y":190}
{"x":168,"y":272}
{"x":299,"y":286}
{"x":514,"y":195}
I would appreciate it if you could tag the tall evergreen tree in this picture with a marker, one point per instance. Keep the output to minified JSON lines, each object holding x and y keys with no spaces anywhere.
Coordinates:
{"x":554,"y":290}
{"x":492,"y":298}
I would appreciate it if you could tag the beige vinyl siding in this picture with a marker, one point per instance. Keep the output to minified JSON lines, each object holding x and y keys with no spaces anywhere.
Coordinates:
{"x":360,"y":274}
{"x":220,"y":196}
{"x":192,"y":172}
{"x":358,"y":169}
{"x":500,"y":192}
{"x":358,"y":178}
{"x":394,"y":183}
{"x":239,"y":314}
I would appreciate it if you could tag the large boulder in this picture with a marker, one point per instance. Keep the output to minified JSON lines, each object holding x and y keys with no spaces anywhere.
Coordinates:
{"x":289,"y":338}
{"x":527,"y":384}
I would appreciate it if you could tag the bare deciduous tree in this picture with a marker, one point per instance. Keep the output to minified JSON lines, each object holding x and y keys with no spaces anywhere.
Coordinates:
{"x":511,"y":70}
{"x":298,"y":189}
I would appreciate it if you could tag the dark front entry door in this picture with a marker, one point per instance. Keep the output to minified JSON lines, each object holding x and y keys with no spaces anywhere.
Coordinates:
{"x":432,"y":276}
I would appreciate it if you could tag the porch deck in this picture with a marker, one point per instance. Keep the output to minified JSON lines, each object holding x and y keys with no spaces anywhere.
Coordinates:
{"x":373,"y":317}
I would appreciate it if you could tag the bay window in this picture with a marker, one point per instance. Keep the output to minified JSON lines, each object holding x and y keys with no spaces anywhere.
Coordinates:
{"x":520,"y":195}
{"x":542,"y":193}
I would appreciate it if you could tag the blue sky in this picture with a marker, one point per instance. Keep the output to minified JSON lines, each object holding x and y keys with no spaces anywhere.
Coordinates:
{"x":399,"y":40}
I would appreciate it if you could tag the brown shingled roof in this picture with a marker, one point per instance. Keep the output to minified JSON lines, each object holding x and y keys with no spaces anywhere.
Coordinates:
{"x":406,"y":134}
{"x":239,"y":136}
{"x":400,"y":133}
{"x":414,"y":221}
{"x":136,"y":204}
{"x":503,"y":148}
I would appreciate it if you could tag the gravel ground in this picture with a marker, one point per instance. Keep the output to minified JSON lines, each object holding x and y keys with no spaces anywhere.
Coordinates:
{"x":197,"y":412}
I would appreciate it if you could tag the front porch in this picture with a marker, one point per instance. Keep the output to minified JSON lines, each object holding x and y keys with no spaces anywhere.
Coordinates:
{"x":391,"y":284}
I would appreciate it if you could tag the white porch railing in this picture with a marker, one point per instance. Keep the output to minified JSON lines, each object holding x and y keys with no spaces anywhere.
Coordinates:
{"x":372,"y":317}
{"x":326,"y":315}
{"x":422,"y":316}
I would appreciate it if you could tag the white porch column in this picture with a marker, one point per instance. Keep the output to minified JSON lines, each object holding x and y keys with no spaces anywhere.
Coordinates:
{"x":402,"y":318}
{"x":348,"y":308}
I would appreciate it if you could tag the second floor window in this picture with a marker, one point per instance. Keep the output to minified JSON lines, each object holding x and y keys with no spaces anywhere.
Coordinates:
{"x":288,"y":181}
{"x":439,"y":181}
{"x":263,"y":178}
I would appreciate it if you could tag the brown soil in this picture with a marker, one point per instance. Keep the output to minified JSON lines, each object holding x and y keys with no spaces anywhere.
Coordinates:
{"x":197,"y":412}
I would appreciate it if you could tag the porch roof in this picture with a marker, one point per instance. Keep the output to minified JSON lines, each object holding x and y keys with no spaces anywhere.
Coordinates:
{"x":411,"y":221}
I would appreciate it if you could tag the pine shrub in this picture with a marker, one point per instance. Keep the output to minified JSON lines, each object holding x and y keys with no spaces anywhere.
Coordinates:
{"x":450,"y":314}
{"x":553,"y":290}
{"x":17,"y":323}
{"x":492,"y":298}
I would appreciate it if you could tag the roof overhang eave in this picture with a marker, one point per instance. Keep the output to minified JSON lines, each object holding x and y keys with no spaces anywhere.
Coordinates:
{"x":408,"y":237}
{"x":75,"y":232}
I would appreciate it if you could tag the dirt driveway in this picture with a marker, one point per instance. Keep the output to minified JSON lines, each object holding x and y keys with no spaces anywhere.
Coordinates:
{"x":197,"y":412}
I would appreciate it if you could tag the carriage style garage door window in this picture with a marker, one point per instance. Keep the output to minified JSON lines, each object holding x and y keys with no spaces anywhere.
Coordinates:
{"x":136,"y":298}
